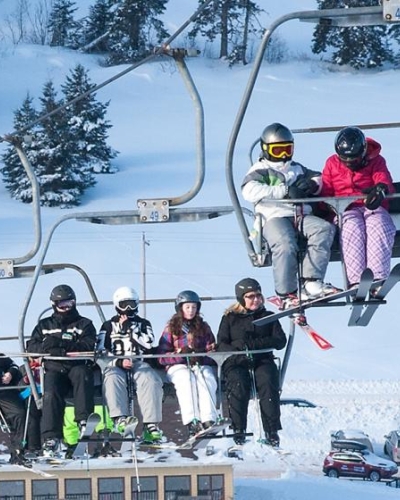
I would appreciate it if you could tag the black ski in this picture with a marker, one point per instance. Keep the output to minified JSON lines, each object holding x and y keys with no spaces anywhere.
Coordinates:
{"x":209,"y":433}
{"x":375,"y":302}
{"x":303,"y":305}
{"x":361,"y":296}
{"x":91,"y":424}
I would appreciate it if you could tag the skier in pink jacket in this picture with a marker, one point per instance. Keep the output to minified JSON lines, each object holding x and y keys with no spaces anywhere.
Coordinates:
{"x":368,"y":231}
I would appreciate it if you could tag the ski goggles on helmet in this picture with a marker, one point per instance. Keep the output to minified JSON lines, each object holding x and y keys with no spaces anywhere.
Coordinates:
{"x":279,"y":149}
{"x":65,"y":305}
{"x":127,"y":305}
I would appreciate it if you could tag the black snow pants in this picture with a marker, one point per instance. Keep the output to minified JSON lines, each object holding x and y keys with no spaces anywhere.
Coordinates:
{"x":239,"y":392}
{"x":57,"y":386}
{"x":13,"y":409}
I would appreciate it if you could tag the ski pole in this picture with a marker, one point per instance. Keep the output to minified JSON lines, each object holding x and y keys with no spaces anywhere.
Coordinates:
{"x":131,"y":395}
{"x":199,"y":369}
{"x":195,"y":419}
{"x":28,"y":407}
{"x":4,"y":424}
{"x":256,"y":401}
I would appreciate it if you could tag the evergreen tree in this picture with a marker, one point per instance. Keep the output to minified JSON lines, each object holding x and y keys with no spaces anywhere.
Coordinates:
{"x":14,"y":175}
{"x":62,"y":175}
{"x":231,"y":20}
{"x":61,"y":23}
{"x":97,"y":26}
{"x":394,"y":37}
{"x":135,"y":30}
{"x":87,"y":123}
{"x":357,"y":46}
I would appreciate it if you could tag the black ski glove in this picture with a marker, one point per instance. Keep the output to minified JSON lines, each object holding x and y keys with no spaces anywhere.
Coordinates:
{"x":306,"y":184}
{"x":295,"y":193}
{"x":375,"y":195}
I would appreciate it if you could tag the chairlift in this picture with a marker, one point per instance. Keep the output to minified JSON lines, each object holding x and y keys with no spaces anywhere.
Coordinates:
{"x":149,"y":211}
{"x":257,"y":251}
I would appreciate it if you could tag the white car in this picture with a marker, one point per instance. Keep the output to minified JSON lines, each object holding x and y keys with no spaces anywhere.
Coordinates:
{"x":392,"y":445}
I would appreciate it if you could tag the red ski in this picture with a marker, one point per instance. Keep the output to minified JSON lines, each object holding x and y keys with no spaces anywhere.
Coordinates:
{"x":319,"y":341}
{"x":300,"y":320}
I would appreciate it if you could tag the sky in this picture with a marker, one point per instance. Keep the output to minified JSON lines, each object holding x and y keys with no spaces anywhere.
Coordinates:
{"x":153,"y":117}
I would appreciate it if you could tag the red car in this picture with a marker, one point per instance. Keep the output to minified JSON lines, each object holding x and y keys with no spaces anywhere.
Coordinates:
{"x":363,"y":464}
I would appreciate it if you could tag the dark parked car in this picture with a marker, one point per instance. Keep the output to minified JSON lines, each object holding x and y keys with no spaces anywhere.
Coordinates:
{"x":392,"y":446}
{"x":300,"y":403}
{"x":362,"y":464}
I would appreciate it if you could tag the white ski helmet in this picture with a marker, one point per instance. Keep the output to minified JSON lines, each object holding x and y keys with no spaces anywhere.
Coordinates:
{"x":126,"y":300}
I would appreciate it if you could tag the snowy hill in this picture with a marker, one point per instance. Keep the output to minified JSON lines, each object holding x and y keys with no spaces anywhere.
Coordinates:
{"x":356,"y":383}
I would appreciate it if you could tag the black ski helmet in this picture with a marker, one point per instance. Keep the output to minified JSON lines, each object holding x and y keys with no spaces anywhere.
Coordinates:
{"x":275,"y":133}
{"x":187,"y":296}
{"x":62,"y":292}
{"x":244,"y":286}
{"x":351,"y":147}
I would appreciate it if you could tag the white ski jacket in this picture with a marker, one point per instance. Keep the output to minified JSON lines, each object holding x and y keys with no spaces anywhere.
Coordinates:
{"x":268,"y":181}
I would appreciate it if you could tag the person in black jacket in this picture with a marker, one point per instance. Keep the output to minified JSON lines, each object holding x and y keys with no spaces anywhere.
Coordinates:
{"x":63,"y":332}
{"x":238,"y":333}
{"x":12,"y":408}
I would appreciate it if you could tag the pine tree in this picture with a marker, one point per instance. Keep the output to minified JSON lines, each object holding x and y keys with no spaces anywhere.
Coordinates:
{"x":62,"y":175}
{"x":14,"y":175}
{"x":394,"y":36}
{"x":98,"y":25}
{"x":87,"y":123}
{"x":231,"y":20}
{"x":62,"y":24}
{"x":357,"y":46}
{"x":136,"y":29}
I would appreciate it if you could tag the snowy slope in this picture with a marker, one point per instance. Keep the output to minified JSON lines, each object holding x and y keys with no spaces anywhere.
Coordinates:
{"x":356,"y":384}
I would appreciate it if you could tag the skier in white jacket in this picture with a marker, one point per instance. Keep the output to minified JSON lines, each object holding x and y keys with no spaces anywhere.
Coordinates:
{"x":275,"y":176}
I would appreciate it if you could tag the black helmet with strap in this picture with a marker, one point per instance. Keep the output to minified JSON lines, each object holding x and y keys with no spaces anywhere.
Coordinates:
{"x":244,"y":286}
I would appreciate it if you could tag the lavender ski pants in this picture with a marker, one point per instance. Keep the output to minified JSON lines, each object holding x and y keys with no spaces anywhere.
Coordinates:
{"x":367,"y":238}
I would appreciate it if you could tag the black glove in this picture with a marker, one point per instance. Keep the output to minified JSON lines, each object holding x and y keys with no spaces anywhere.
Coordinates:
{"x":306,"y":184}
{"x":294,"y":193}
{"x":375,"y":195}
{"x":239,"y":345}
{"x":51,"y":341}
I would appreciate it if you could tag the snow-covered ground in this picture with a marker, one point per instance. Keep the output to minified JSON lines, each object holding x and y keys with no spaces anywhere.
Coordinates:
{"x":356,"y":384}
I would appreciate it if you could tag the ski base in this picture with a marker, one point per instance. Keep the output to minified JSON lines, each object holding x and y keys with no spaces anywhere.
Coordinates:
{"x":129,"y":432}
{"x":360,"y":297}
{"x":91,"y":424}
{"x":209,"y":433}
{"x":315,"y":337}
{"x":373,"y":304}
